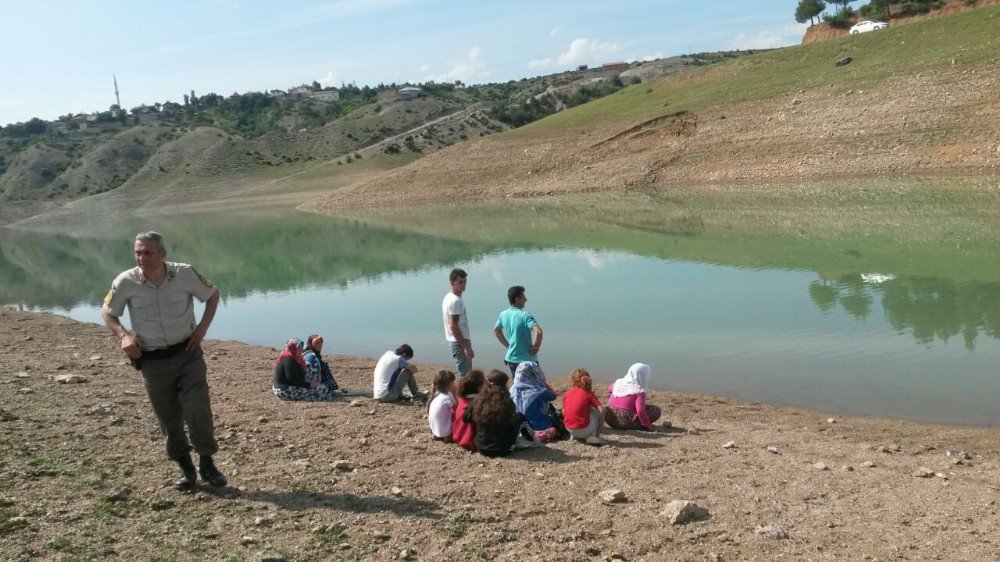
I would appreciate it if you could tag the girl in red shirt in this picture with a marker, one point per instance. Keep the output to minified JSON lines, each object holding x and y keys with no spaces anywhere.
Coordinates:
{"x":463,"y":432}
{"x":582,"y":411}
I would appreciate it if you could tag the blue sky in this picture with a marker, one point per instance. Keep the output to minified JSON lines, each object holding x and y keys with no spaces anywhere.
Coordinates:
{"x":59,"y":56}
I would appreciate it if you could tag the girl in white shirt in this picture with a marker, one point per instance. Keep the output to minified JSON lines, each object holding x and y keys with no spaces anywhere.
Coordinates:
{"x":442,"y":408}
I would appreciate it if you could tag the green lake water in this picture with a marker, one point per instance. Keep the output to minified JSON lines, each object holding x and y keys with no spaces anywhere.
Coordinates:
{"x":859,"y":324}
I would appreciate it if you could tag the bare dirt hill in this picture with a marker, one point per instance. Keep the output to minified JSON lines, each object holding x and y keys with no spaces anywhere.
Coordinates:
{"x":786,"y":117}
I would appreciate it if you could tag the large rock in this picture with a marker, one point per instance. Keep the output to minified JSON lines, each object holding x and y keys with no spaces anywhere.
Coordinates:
{"x":611,"y":496}
{"x":679,"y":512}
{"x":71,"y":379}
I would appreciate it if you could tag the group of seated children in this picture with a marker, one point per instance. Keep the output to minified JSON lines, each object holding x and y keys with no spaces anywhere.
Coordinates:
{"x":302,"y":374}
{"x":489,"y":418}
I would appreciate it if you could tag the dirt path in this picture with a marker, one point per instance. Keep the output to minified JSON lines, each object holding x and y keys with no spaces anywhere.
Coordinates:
{"x":82,"y":475}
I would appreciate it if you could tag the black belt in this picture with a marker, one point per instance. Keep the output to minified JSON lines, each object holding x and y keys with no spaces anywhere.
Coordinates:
{"x":162,"y":353}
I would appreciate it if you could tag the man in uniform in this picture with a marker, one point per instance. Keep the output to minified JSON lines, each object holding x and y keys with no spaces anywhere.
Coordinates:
{"x":165,"y":344}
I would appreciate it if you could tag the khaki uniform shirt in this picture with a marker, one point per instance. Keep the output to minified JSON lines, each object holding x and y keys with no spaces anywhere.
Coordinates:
{"x":164,"y":315}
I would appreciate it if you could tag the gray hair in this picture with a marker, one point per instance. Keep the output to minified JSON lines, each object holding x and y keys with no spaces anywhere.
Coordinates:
{"x":151,"y":236}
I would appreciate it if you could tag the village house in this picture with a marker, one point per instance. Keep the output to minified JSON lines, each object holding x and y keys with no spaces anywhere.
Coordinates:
{"x":325,"y":95}
{"x":408,"y":93}
{"x":146,"y":114}
{"x":302,"y":91}
{"x":83,"y":120}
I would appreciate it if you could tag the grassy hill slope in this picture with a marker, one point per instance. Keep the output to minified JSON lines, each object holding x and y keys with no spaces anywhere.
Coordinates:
{"x":918,"y":98}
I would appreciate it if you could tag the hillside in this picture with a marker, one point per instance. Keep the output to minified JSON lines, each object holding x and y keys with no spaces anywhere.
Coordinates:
{"x":900,"y":14}
{"x":916,"y":98}
{"x":256,"y":137}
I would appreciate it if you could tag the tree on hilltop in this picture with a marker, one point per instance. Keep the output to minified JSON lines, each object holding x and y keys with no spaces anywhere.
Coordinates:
{"x":809,"y":10}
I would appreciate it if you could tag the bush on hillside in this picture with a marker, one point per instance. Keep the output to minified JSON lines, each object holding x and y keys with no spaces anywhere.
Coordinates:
{"x":840,"y":18}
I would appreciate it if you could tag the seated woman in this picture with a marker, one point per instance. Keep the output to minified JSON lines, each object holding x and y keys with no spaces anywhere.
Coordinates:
{"x":531,"y":395}
{"x":627,"y":407}
{"x":316,"y":368}
{"x":393,"y":373}
{"x":290,"y":382}
{"x":463,"y":432}
{"x":582,"y":410}
{"x":497,"y":421}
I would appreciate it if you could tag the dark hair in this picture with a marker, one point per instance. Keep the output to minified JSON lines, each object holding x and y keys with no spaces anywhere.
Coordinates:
{"x":442,"y":379}
{"x":471,"y":383}
{"x":405,"y":351}
{"x":581,"y":378}
{"x":494,"y":406}
{"x":456,"y":273}
{"x":498,"y":378}
{"x":514,"y":292}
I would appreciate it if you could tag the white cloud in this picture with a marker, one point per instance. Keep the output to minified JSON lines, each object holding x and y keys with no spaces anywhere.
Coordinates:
{"x":470,"y":69}
{"x":329,"y":80}
{"x":654,"y":56}
{"x":770,"y":38}
{"x":555,"y":31}
{"x":580,"y":51}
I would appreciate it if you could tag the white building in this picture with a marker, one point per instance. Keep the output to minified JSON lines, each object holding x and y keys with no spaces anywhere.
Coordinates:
{"x":408,"y":93}
{"x":325,"y":95}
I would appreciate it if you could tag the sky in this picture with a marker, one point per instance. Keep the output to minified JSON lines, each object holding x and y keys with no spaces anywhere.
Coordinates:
{"x":58,"y":57}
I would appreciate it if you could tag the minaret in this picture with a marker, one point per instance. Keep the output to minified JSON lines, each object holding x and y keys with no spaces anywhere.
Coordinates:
{"x":117,"y":99}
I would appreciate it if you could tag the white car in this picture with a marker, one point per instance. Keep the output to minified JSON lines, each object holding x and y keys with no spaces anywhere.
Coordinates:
{"x":863,"y":26}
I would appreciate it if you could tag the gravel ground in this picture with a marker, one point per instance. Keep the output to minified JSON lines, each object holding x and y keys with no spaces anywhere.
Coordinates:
{"x":83,"y":475}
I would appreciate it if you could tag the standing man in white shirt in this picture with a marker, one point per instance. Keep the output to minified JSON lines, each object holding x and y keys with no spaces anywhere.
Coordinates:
{"x":165,"y":345}
{"x":456,"y":322}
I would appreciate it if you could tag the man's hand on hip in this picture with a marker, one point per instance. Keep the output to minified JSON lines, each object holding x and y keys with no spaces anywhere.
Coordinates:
{"x":131,"y":345}
{"x":196,"y":336}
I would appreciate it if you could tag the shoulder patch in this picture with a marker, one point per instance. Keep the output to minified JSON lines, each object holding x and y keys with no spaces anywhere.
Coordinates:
{"x":109,"y":296}
{"x":203,"y":279}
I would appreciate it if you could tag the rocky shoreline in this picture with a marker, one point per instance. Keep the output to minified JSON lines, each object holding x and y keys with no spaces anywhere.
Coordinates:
{"x":84,"y":475}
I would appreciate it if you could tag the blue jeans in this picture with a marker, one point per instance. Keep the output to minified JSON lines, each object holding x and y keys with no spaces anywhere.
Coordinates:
{"x":462,"y":363}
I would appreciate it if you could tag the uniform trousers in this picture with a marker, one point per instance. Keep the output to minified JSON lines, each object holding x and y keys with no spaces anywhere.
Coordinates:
{"x":178,"y":391}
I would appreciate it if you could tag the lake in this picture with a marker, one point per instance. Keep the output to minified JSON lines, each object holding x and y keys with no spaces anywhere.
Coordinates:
{"x":851,"y":324}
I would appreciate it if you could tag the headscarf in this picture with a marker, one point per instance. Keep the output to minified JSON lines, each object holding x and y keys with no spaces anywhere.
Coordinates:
{"x":529,"y":384}
{"x":292,"y":350}
{"x":635,"y":381}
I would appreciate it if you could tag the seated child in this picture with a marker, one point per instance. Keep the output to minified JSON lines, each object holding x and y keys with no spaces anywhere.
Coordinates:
{"x":442,"y":408}
{"x":498,"y":422}
{"x":463,"y":432}
{"x":627,"y":408}
{"x":532,"y":395}
{"x":582,"y":411}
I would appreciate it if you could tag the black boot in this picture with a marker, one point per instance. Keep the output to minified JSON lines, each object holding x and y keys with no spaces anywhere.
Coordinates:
{"x":210,"y":474}
{"x":189,"y":476}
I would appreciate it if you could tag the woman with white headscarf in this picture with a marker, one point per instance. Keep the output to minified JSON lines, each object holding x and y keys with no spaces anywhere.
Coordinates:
{"x":627,"y":409}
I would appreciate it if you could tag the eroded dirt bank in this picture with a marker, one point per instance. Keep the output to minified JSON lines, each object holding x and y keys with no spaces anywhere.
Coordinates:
{"x":83,"y":475}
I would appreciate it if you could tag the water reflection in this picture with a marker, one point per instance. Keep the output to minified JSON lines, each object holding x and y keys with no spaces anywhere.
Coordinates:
{"x":928,"y":308}
{"x":776,"y":318}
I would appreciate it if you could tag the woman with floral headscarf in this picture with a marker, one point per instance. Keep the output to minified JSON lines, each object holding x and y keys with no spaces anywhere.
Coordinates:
{"x":289,"y":382}
{"x":531,"y":395}
{"x":627,"y":407}
{"x":317,"y":369}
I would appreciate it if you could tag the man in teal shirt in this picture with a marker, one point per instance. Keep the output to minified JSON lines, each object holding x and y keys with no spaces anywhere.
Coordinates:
{"x":514,"y":328}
